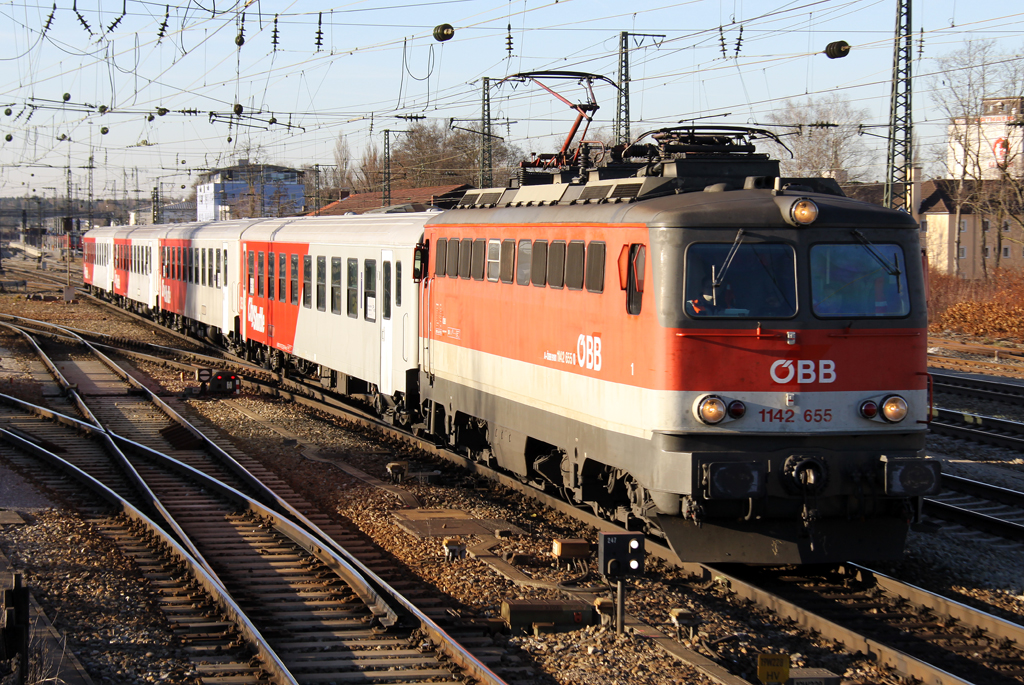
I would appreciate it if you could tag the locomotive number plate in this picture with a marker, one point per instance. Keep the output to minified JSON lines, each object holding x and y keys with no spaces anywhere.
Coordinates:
{"x":795,"y":415}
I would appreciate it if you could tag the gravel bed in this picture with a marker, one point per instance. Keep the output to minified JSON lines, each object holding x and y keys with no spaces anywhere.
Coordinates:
{"x":731,"y":633}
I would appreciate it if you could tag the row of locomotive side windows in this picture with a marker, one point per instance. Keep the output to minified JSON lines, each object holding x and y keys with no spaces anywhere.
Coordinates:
{"x":137,"y":259}
{"x":570,"y":264}
{"x":343,"y":282}
{"x":198,"y":265}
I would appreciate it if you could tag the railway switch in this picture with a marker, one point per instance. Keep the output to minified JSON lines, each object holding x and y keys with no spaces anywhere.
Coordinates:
{"x":620,"y":554}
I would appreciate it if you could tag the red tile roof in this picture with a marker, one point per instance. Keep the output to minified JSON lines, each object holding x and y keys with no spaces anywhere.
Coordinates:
{"x":364,"y":202}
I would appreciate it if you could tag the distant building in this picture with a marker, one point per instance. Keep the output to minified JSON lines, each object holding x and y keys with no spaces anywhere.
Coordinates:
{"x":175,"y":213}
{"x":989,"y":145}
{"x":250,"y":190}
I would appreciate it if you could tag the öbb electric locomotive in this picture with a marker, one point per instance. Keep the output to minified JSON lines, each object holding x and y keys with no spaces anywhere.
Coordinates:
{"x":678,"y":339}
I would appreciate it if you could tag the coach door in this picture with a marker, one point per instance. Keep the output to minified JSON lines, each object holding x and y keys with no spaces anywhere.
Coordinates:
{"x":387,"y":276}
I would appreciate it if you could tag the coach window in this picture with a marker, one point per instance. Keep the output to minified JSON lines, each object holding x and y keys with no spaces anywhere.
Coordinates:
{"x":217,"y":276}
{"x":370,"y":290}
{"x":556,"y":264}
{"x":465,"y":257}
{"x":398,"y":284}
{"x":202,"y":269}
{"x":525,"y":263}
{"x":595,"y":267}
{"x":195,"y":265}
{"x":574,"y":265}
{"x":260,"y":261}
{"x":385,"y":310}
{"x":209,"y":266}
{"x":225,"y":266}
{"x":282,"y":275}
{"x":271,"y":259}
{"x":336,"y":285}
{"x":295,"y":279}
{"x":493,"y":260}
{"x":539,"y":271}
{"x":508,"y":260}
{"x":632,"y":260}
{"x":479,"y":259}
{"x":186,"y":264}
{"x":439,"y":255}
{"x":452,"y":260}
{"x":352,"y":303}
{"x":307,"y":281}
{"x":321,"y":283}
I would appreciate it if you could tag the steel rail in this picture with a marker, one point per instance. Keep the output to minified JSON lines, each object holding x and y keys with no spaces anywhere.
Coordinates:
{"x":966,"y":516}
{"x":977,"y":387}
{"x":133,"y":476}
{"x":270,"y":660}
{"x":984,"y":429}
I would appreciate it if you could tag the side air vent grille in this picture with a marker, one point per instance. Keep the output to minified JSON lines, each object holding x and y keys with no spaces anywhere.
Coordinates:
{"x":593,"y":192}
{"x":488,"y":198}
{"x":626,"y":190}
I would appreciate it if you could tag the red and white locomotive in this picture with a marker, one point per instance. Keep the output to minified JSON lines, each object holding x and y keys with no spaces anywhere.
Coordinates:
{"x":680,"y":339}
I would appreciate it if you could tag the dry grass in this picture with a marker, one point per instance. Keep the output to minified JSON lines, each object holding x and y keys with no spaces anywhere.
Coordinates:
{"x":988,"y":308}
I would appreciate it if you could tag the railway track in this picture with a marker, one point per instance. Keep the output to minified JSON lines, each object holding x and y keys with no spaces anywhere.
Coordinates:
{"x":310,"y":609}
{"x":980,"y":388}
{"x":1001,"y":661}
{"x":995,"y":510}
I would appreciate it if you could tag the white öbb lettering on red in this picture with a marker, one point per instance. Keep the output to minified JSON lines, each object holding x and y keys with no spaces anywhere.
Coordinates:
{"x":804,"y":371}
{"x":255,"y":316}
{"x":588,"y":351}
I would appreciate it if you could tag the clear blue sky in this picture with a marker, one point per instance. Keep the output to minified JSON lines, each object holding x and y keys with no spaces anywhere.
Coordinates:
{"x":378,"y":60}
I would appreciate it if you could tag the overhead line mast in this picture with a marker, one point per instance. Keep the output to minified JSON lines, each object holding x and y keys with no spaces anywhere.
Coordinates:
{"x":901,"y":145}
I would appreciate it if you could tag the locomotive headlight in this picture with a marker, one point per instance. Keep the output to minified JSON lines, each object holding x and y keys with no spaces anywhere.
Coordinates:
{"x":711,"y":410}
{"x":804,"y":212}
{"x":894,"y":409}
{"x":912,"y":477}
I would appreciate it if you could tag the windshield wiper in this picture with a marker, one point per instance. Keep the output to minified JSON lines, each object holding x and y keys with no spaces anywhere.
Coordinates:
{"x":717,"y":278}
{"x":892,"y":270}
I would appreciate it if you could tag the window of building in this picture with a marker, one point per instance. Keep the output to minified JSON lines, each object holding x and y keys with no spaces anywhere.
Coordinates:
{"x":539,"y":270}
{"x":924,"y":225}
{"x":525,"y":262}
{"x":1006,"y":252}
{"x":370,"y":290}
{"x":963,"y":225}
{"x":962,"y":253}
{"x":353,"y":288}
{"x":307,"y":281}
{"x":985,"y":225}
{"x":465,"y":258}
{"x":336,"y":285}
{"x":595,"y":267}
{"x":574,"y":265}
{"x":985,"y":251}
{"x":282,"y":275}
{"x":1006,"y":225}
{"x":321,"y":283}
{"x":295,"y":279}
{"x":439,"y":255}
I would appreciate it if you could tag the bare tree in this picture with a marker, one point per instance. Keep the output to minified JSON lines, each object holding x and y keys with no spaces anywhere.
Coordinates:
{"x":823,"y":136}
{"x":980,"y":92}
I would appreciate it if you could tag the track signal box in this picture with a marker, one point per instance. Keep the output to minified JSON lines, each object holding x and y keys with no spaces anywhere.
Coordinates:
{"x":620,"y":554}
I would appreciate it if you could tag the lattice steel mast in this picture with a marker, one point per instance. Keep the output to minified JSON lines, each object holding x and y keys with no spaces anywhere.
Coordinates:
{"x":900,"y":154}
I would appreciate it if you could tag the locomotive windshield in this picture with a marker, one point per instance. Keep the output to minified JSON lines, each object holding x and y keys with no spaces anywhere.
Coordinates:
{"x":859,"y":280}
{"x":760,"y":281}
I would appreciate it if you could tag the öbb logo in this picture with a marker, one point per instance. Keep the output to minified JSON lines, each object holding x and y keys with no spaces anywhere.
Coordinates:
{"x":804,"y":371}
{"x":588,"y":351}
